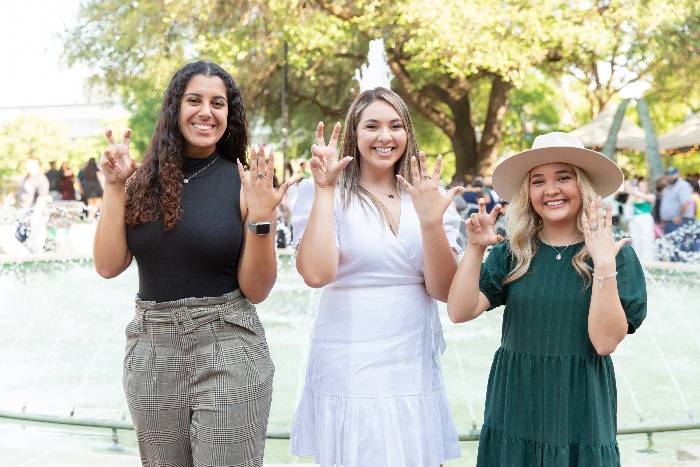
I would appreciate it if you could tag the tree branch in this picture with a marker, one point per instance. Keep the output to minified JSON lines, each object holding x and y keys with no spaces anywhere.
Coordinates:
{"x":416,"y":98}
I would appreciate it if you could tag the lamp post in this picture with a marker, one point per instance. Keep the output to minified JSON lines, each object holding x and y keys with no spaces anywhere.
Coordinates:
{"x":285,"y":112}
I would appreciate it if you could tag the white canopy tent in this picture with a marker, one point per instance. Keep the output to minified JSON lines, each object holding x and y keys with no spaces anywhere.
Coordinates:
{"x":594,"y":133}
{"x":685,"y":135}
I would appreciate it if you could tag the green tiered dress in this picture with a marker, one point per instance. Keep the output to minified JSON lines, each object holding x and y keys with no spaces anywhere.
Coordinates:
{"x":551,"y":399}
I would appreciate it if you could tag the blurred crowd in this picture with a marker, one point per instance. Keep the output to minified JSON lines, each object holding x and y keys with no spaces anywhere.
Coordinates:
{"x":668,"y":209}
{"x":53,"y":198}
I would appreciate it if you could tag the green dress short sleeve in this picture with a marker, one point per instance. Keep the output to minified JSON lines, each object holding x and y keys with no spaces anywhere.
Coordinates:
{"x":493,"y":271}
{"x":631,"y":287}
{"x":551,"y":399}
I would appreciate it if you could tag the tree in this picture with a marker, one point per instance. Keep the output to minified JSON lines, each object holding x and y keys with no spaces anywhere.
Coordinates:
{"x":676,"y":76}
{"x":30,"y":136}
{"x":45,"y":139}
{"x":630,"y":41}
{"x":456,"y":65}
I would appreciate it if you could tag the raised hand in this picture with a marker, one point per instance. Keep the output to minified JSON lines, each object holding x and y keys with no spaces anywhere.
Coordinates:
{"x":262,"y":198}
{"x":116,"y":164}
{"x":325,"y":166}
{"x":597,"y":233}
{"x":481,"y":226}
{"x":429,"y":200}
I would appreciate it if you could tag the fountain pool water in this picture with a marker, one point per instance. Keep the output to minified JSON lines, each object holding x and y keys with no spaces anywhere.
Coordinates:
{"x":61,"y":347}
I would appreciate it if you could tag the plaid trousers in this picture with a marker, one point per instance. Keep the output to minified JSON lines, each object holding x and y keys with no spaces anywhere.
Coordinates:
{"x":198,"y":382}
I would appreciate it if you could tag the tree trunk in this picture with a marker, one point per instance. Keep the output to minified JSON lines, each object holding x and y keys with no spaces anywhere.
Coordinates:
{"x":464,"y":145}
{"x":490,"y":143}
{"x":463,"y":139}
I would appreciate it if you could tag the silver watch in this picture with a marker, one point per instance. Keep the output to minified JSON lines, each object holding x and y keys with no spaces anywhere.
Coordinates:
{"x":260,"y":228}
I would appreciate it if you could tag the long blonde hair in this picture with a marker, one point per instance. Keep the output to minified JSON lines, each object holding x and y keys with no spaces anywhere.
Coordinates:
{"x":523,"y":224}
{"x":350,"y":178}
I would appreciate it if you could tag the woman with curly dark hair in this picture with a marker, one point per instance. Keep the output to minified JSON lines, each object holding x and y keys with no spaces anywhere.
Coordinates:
{"x":197,"y":371}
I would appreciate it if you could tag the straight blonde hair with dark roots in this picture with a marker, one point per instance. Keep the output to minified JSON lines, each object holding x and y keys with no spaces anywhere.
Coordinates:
{"x":350,"y":187}
{"x":523,"y":225}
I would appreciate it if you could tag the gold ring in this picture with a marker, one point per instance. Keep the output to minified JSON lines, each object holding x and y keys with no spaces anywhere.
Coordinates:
{"x":426,"y":177}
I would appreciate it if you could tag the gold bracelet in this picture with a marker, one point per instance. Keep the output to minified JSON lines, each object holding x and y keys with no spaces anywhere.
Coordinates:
{"x":602,"y":279}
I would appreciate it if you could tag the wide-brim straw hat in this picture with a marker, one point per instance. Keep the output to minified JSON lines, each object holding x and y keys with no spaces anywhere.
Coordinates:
{"x":509,"y":174}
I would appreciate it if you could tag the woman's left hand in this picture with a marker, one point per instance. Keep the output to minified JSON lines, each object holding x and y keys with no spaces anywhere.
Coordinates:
{"x":429,"y":201}
{"x":597,"y":233}
{"x":261,"y":197}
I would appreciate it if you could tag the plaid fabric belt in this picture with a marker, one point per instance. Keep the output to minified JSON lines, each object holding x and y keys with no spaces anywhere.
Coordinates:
{"x":188,"y":314}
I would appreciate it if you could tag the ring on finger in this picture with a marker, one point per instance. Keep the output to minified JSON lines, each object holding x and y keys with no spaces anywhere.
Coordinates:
{"x":594,"y":227}
{"x":426,"y":177}
{"x":260,"y":175}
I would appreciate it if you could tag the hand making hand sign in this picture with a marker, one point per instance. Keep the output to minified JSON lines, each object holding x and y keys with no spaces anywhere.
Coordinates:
{"x":261,"y":196}
{"x":429,"y":200}
{"x":481,"y":226}
{"x":325,"y":166}
{"x":116,"y":164}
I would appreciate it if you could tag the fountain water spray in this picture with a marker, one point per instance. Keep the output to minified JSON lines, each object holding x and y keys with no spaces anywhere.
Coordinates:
{"x":375,"y":73}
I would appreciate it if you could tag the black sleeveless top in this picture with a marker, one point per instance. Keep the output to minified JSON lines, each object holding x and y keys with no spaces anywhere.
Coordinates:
{"x":199,"y":257}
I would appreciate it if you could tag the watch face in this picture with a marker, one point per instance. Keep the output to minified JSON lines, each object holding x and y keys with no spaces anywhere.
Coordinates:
{"x":262,"y":228}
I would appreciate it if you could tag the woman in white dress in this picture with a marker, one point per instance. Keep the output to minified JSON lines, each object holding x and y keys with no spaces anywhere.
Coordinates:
{"x":374,"y":394}
{"x":640,"y":205}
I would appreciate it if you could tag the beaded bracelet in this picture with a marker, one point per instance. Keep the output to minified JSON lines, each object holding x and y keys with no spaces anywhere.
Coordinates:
{"x":602,"y":279}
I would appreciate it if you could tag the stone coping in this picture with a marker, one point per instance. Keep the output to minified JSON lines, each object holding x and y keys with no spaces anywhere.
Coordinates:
{"x":50,"y":257}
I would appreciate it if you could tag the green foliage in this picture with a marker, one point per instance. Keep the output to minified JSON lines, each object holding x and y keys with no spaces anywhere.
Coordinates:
{"x":687,"y":163}
{"x":47,"y":140}
{"x":534,"y":108}
{"x":676,"y":90}
{"x":30,"y":136}
{"x":445,"y":59}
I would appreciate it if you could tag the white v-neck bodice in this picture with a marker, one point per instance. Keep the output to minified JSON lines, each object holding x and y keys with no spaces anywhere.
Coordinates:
{"x":370,"y":254}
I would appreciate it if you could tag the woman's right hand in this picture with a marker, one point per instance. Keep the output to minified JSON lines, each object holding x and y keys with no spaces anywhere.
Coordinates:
{"x":116,"y":164}
{"x":325,"y":165}
{"x":481,"y":227}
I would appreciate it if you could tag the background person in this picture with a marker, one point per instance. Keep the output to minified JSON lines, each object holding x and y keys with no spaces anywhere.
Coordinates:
{"x":640,"y":224}
{"x":33,"y":198}
{"x":91,"y":187}
{"x":67,"y":182}
{"x":54,"y":177}
{"x":676,"y":202}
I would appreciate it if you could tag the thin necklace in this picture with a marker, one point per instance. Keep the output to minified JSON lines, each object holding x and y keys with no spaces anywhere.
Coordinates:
{"x":390,"y":195}
{"x":187,"y":180}
{"x":558,"y":257}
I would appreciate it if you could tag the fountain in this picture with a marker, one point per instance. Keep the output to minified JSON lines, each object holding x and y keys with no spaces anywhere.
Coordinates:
{"x":48,"y":371}
{"x":66,"y":235}
{"x":375,"y":73}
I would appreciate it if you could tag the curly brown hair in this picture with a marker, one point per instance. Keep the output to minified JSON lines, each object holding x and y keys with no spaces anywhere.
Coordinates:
{"x":154,"y":191}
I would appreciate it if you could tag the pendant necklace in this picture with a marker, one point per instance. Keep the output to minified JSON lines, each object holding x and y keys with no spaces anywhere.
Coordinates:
{"x":389,"y":195}
{"x":558,"y":256}
{"x":187,"y":180}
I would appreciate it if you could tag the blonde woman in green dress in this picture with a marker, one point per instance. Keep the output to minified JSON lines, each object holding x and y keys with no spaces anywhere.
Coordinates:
{"x":571,"y":294}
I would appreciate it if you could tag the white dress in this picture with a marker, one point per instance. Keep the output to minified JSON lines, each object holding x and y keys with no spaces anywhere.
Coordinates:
{"x":374,"y":393}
